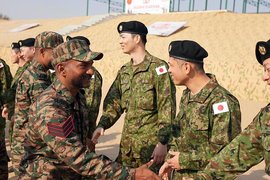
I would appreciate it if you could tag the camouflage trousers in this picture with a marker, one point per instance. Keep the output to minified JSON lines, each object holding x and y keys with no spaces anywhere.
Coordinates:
{"x":3,"y":161}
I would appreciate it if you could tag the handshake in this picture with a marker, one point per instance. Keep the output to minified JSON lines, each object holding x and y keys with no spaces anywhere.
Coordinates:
{"x":144,"y":173}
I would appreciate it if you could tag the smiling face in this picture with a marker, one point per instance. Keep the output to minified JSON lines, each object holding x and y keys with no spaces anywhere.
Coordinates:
{"x":78,"y":74}
{"x":266,"y":76}
{"x":27,"y":53}
{"x":128,"y":42}
{"x":177,"y":71}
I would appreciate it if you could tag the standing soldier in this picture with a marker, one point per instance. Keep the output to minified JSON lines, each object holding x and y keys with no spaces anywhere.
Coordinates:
{"x":5,"y":82}
{"x":33,"y":81}
{"x":92,"y":93}
{"x":27,"y":49}
{"x":56,"y":143}
{"x":253,"y":144}
{"x":16,"y":58}
{"x":144,"y":90}
{"x":209,"y":116}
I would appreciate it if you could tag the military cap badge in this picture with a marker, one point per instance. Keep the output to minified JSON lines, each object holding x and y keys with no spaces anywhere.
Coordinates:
{"x":20,"y":43}
{"x":120,"y":28}
{"x":262,"y":50}
{"x":170,"y":48}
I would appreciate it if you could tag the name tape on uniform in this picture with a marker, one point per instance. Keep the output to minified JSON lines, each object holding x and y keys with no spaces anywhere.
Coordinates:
{"x":161,"y":70}
{"x":220,"y":107}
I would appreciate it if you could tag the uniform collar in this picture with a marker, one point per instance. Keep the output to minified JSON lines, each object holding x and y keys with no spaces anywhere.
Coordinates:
{"x":205,"y":91}
{"x":143,"y":66}
{"x":63,"y":91}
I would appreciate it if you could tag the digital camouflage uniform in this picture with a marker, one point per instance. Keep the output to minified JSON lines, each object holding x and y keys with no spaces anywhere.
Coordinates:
{"x":11,"y":96}
{"x":246,"y":150}
{"x":5,"y":83}
{"x":56,"y":140}
{"x":148,"y":99}
{"x":199,"y":134}
{"x":32,"y":83}
{"x":93,"y":97}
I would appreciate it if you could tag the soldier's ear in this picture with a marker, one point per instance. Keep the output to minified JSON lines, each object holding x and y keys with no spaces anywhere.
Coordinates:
{"x":60,"y":68}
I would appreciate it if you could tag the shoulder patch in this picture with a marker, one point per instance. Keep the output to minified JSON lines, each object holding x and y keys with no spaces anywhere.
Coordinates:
{"x":1,"y":65}
{"x":161,"y":70}
{"x":220,"y":107}
{"x":63,"y":129}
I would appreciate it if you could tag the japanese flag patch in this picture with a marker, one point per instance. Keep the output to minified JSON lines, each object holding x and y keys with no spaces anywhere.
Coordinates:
{"x":220,"y":107}
{"x":1,"y":65}
{"x":161,"y":70}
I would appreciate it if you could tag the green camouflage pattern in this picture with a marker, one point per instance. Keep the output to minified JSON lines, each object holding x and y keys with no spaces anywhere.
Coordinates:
{"x":73,"y":49}
{"x":33,"y":81}
{"x":246,"y":150}
{"x":198,"y":133}
{"x":5,"y":83}
{"x":48,"y":39}
{"x":148,"y":99}
{"x":51,"y":157}
{"x":93,"y":96}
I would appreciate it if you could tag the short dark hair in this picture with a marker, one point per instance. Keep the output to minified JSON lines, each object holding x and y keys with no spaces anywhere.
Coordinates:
{"x":143,"y":37}
{"x":199,"y":66}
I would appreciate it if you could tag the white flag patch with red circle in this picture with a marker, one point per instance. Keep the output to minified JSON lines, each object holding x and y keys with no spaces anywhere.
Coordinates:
{"x":161,"y":70}
{"x":220,"y":107}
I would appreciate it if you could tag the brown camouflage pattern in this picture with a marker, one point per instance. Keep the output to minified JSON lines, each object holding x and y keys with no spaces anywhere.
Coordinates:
{"x":48,"y":39}
{"x":48,"y":156}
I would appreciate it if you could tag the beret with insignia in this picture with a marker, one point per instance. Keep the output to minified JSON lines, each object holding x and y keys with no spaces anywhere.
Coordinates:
{"x":29,"y":42}
{"x":262,"y":51}
{"x":188,"y":51}
{"x":133,"y":27}
{"x":15,"y":45}
{"x":79,"y":38}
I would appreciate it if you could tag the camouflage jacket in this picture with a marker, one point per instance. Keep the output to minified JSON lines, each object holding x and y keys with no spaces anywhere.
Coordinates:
{"x":246,"y":150}
{"x":147,"y":94}
{"x":5,"y":83}
{"x":12,"y":91}
{"x":93,"y":97}
{"x":33,"y":81}
{"x":56,"y":141}
{"x":200,"y":130}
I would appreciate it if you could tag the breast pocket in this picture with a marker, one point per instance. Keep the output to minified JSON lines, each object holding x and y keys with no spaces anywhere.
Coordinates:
{"x":146,"y":97}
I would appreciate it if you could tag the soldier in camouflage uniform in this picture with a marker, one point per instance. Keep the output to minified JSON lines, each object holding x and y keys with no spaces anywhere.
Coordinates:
{"x":143,"y":89}
{"x":92,"y":93}
{"x":209,"y":116}
{"x":16,"y":58}
{"x":33,"y":81}
{"x":56,"y":143}
{"x":5,"y":82}
{"x":253,"y":144}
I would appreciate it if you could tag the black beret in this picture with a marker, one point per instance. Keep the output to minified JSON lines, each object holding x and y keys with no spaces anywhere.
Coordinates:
{"x":29,"y":42}
{"x":15,"y":45}
{"x":262,"y":51}
{"x":79,"y":38}
{"x":187,"y":51}
{"x":133,"y":27}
